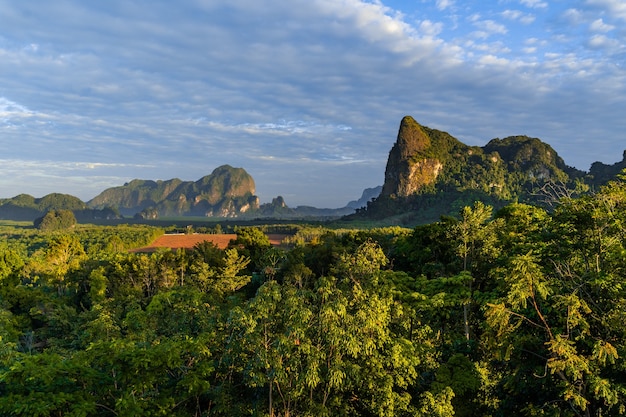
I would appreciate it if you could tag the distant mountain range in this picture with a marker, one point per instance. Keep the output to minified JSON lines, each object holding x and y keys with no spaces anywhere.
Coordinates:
{"x":429,"y":173}
{"x":226,"y":193}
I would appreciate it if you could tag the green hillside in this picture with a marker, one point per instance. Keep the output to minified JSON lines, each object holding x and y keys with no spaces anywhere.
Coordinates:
{"x":26,"y":207}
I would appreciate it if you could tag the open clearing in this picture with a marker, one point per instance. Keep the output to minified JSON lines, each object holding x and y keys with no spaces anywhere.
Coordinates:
{"x":188,"y":241}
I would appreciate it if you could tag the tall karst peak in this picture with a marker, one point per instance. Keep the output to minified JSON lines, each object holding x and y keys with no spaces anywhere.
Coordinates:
{"x":416,"y":159}
{"x":429,"y":172}
{"x":411,"y":138}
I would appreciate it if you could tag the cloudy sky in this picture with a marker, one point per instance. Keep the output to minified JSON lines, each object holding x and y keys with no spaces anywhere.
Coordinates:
{"x":306,"y":95}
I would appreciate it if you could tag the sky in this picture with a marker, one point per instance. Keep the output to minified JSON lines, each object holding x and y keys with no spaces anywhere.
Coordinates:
{"x":305,"y":95}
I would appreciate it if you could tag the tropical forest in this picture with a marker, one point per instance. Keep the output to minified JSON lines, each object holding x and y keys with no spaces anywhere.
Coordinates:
{"x":515,"y":311}
{"x":477,"y":281}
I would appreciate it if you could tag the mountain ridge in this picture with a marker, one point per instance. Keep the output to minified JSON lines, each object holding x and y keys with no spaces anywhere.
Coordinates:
{"x":429,"y":173}
{"x":429,"y":168}
{"x":226,"y":192}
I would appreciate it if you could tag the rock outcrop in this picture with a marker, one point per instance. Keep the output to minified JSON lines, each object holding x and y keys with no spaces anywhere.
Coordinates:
{"x":409,"y":166}
{"x":366,"y":196}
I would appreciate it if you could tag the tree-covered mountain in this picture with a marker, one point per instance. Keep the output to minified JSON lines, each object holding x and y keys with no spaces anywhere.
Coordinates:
{"x":601,"y":173}
{"x":278,"y":209}
{"x":430,"y":173}
{"x":25,"y":207}
{"x":226,"y":192}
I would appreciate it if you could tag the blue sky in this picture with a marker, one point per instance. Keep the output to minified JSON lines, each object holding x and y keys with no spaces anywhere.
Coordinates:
{"x":306,"y":95}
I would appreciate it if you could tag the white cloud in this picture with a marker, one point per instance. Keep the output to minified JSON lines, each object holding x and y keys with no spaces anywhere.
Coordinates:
{"x":615,"y":8}
{"x":444,"y":4}
{"x":290,"y":127}
{"x":430,"y":29}
{"x":516,"y":15}
{"x":490,"y":49}
{"x":494,"y":60}
{"x":82,"y":179}
{"x":602,"y":42}
{"x":534,"y":4}
{"x":573,"y":16}
{"x":486,"y":27}
{"x":532,"y":45}
{"x":317,"y":85}
{"x":598,"y":25}
{"x":535,"y":41}
{"x":14,"y":115}
{"x":11,"y":108}
{"x":493,"y":27}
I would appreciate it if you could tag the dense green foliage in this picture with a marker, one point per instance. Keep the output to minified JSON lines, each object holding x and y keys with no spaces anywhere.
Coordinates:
{"x":514,"y":312}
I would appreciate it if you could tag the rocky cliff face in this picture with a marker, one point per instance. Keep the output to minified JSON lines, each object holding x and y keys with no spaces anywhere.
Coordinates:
{"x":226,"y":192}
{"x":407,"y":170}
{"x":417,"y":158}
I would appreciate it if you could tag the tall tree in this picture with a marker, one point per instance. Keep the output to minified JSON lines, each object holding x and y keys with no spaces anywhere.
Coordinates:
{"x":475,"y":237}
{"x":560,"y":320}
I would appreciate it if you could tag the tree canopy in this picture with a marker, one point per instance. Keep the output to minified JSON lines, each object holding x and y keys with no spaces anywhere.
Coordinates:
{"x":517,"y":311}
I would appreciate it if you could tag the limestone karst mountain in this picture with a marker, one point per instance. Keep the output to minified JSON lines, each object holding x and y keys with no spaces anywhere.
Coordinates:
{"x":366,"y":196}
{"x":226,"y":192}
{"x":430,"y":173}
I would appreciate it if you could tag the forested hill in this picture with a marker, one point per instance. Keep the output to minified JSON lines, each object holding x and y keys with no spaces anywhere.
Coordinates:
{"x":430,"y":173}
{"x":25,"y":207}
